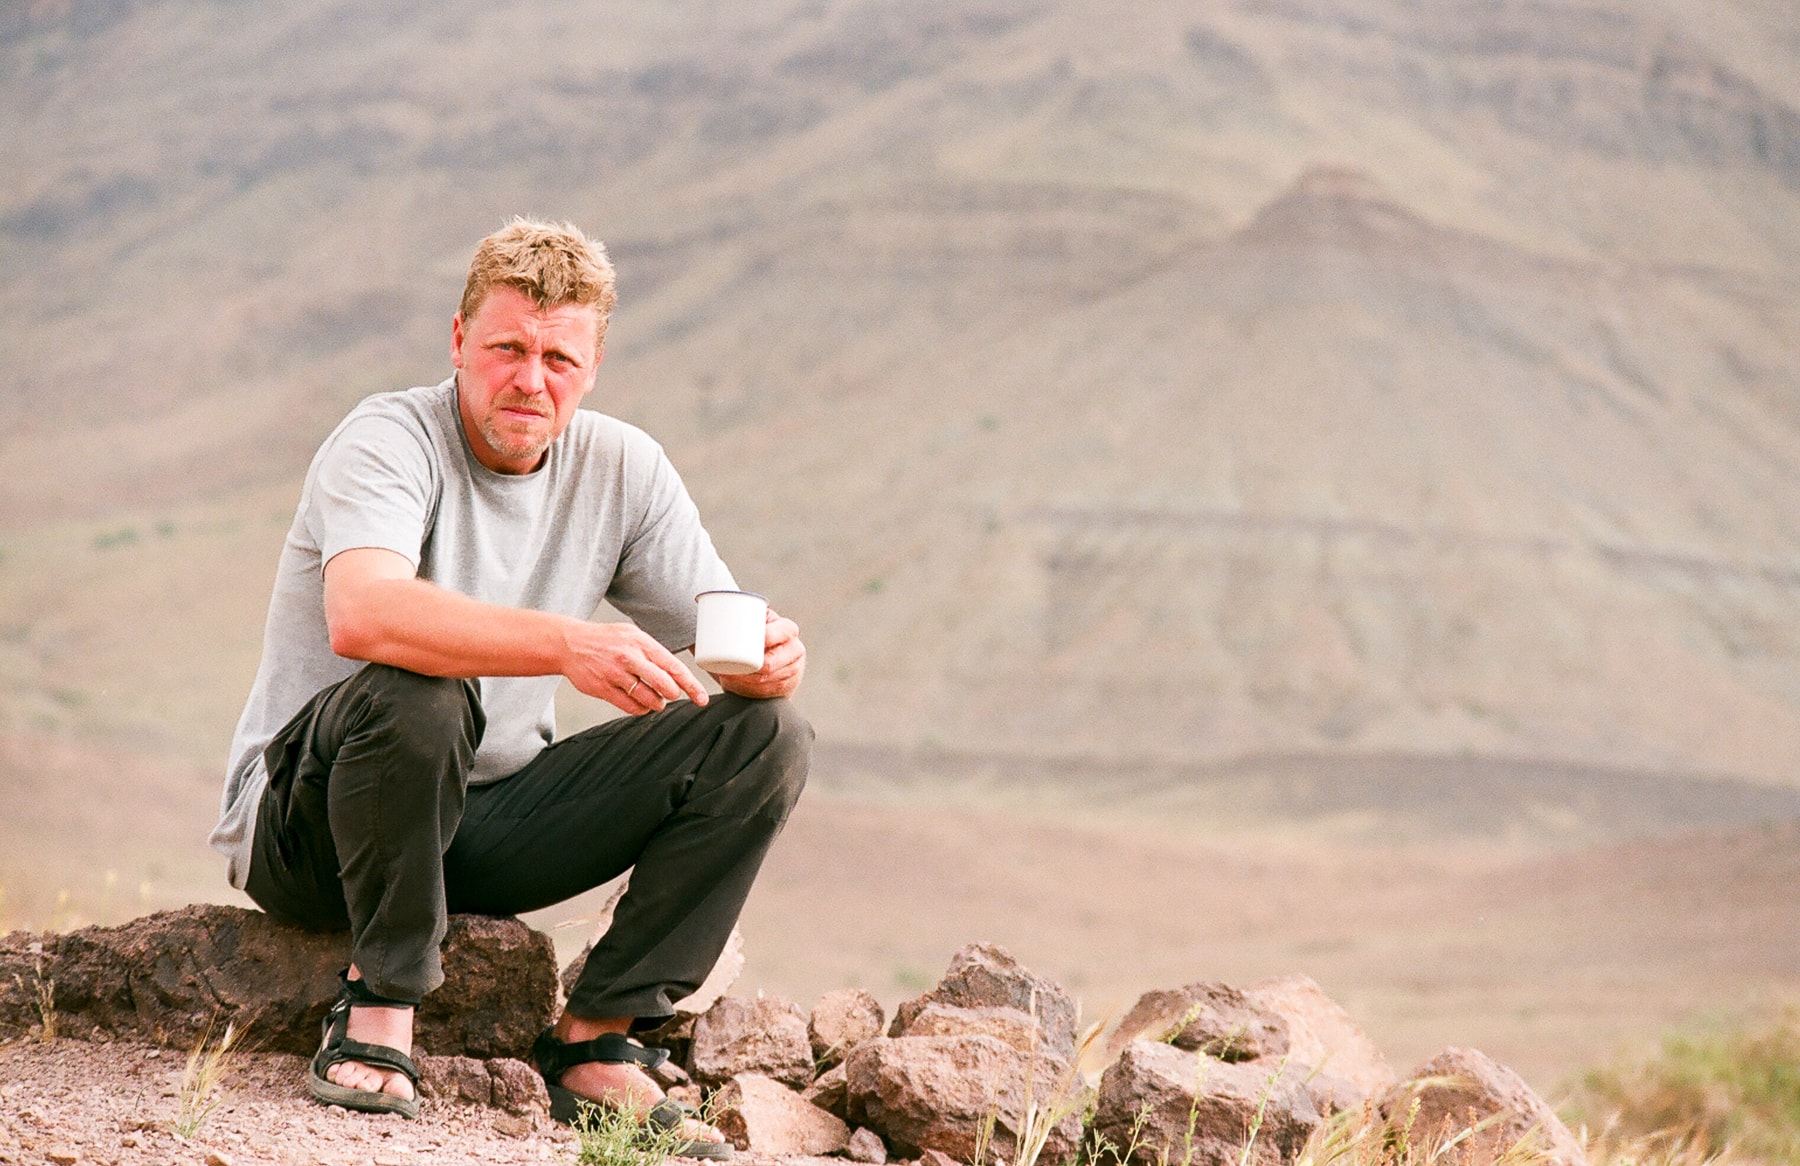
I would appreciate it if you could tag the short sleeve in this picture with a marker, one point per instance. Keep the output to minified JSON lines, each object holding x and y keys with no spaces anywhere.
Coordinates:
{"x":375,"y":487}
{"x":668,"y":558}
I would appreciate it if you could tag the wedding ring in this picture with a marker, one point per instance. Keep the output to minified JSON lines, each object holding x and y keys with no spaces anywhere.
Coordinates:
{"x":634,"y":685}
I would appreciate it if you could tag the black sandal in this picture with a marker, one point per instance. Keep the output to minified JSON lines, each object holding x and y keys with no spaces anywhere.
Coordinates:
{"x":554,"y":1057}
{"x":335,"y":1047}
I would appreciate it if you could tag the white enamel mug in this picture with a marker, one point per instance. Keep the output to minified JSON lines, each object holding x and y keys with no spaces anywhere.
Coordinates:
{"x":729,"y":636}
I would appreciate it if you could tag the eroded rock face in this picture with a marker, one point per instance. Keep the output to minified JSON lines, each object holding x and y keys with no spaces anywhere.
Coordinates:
{"x":1213,"y":1018}
{"x":925,"y":1093}
{"x":499,"y":990}
{"x":502,"y":1082}
{"x":1325,"y":1037}
{"x":830,"y":1091}
{"x":985,"y":975}
{"x":1004,"y":1024}
{"x":1198,"y":1109}
{"x":766,"y":1035}
{"x":166,"y":976}
{"x":761,"y":1114}
{"x":839,"y":1020}
{"x":1460,"y":1088}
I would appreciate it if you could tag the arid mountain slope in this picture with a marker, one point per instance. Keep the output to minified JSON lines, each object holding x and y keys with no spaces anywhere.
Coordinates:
{"x":1295,"y":375}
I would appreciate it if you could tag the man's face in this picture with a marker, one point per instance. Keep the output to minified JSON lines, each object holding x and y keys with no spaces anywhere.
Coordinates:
{"x":521,"y":372}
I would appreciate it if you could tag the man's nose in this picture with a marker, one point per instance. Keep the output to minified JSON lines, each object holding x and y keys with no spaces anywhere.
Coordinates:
{"x":532,"y":377}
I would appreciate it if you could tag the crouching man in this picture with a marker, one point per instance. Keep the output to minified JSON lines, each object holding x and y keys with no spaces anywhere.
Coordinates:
{"x":396,"y":759}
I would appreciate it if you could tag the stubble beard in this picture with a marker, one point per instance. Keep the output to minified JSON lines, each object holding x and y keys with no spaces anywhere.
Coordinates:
{"x":513,"y":446}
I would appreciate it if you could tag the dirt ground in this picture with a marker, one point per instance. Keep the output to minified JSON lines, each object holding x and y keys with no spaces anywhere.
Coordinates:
{"x":75,"y":1102}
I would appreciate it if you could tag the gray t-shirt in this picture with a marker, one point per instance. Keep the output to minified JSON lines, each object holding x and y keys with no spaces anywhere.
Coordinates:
{"x":604,"y":518}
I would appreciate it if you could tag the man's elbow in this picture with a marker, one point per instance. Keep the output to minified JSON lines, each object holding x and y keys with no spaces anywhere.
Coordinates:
{"x":351,"y":638}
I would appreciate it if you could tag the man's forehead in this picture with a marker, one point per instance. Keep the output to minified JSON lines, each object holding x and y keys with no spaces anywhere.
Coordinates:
{"x":509,"y":309}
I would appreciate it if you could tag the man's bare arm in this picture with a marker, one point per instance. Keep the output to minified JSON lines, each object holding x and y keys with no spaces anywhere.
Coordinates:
{"x":378,"y":610}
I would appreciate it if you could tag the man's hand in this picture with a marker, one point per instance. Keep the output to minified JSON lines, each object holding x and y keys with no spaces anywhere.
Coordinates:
{"x":622,"y":665}
{"x":784,"y":661}
{"x":376,"y":609}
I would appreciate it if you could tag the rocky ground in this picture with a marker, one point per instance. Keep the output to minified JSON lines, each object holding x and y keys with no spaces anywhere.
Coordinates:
{"x":117,"y":1103}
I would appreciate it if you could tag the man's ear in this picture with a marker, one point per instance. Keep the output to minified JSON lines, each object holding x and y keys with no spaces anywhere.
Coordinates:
{"x":456,"y":340}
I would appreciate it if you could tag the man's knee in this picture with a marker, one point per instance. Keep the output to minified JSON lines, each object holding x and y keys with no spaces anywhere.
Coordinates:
{"x":421,"y":718}
{"x":784,"y":740}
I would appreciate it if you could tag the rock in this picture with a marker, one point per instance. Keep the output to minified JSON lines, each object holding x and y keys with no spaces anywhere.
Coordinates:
{"x":1216,"y":1019}
{"x":1008,"y":1025}
{"x":1331,"y":1094}
{"x":462,"y":1080}
{"x":866,"y":1146}
{"x":1460,"y":1088}
{"x":937,"y":1158}
{"x":984,"y":975}
{"x":840,"y":1019}
{"x":676,"y":1035}
{"x":517,"y":1088}
{"x":935,"y":1093}
{"x":1197,"y":1109}
{"x":499,"y":990}
{"x":1324,"y":1036}
{"x":766,"y":1035}
{"x":761,"y":1114}
{"x":165,"y":977}
{"x":512,"y":1125}
{"x":724,"y":974}
{"x":830,"y":1091}
{"x":27,"y":965}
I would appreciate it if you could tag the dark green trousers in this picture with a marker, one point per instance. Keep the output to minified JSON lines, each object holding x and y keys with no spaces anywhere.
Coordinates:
{"x":369,"y":822}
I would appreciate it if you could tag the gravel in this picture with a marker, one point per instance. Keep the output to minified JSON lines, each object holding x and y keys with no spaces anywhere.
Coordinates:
{"x":76,"y":1101}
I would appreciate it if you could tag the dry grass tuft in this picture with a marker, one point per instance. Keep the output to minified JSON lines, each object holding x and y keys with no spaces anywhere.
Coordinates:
{"x":202,"y":1082}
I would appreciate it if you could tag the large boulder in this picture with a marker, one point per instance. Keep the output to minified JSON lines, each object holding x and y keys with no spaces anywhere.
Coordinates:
{"x":985,"y":975}
{"x":924,"y":1093}
{"x":1325,"y":1037}
{"x":766,"y":1035}
{"x":1212,"y":1018}
{"x":760,"y":1114}
{"x":1161,"y":1104}
{"x":165,"y":977}
{"x":840,"y":1019}
{"x":1462,"y":1089}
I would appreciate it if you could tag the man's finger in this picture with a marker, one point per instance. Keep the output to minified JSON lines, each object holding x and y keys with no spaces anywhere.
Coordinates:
{"x":673,"y":678}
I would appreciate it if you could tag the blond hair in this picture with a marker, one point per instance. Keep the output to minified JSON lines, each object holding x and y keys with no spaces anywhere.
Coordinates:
{"x":552,"y":263}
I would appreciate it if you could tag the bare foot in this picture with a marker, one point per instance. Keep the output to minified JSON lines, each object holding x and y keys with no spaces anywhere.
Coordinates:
{"x":376,"y":1026}
{"x":626,"y":1086}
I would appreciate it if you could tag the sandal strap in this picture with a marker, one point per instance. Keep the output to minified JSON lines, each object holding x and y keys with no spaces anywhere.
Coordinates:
{"x":668,"y":1114}
{"x":380,"y":1056}
{"x":553,"y":1056}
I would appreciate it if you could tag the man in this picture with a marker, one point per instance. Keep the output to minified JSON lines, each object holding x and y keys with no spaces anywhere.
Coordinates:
{"x":395,"y":760}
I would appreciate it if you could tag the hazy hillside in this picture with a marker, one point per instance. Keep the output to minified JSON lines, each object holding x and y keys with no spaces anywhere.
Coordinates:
{"x":1379,"y":376}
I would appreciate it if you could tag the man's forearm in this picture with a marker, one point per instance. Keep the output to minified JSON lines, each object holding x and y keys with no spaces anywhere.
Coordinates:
{"x":419,"y":626}
{"x":378,"y":610}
